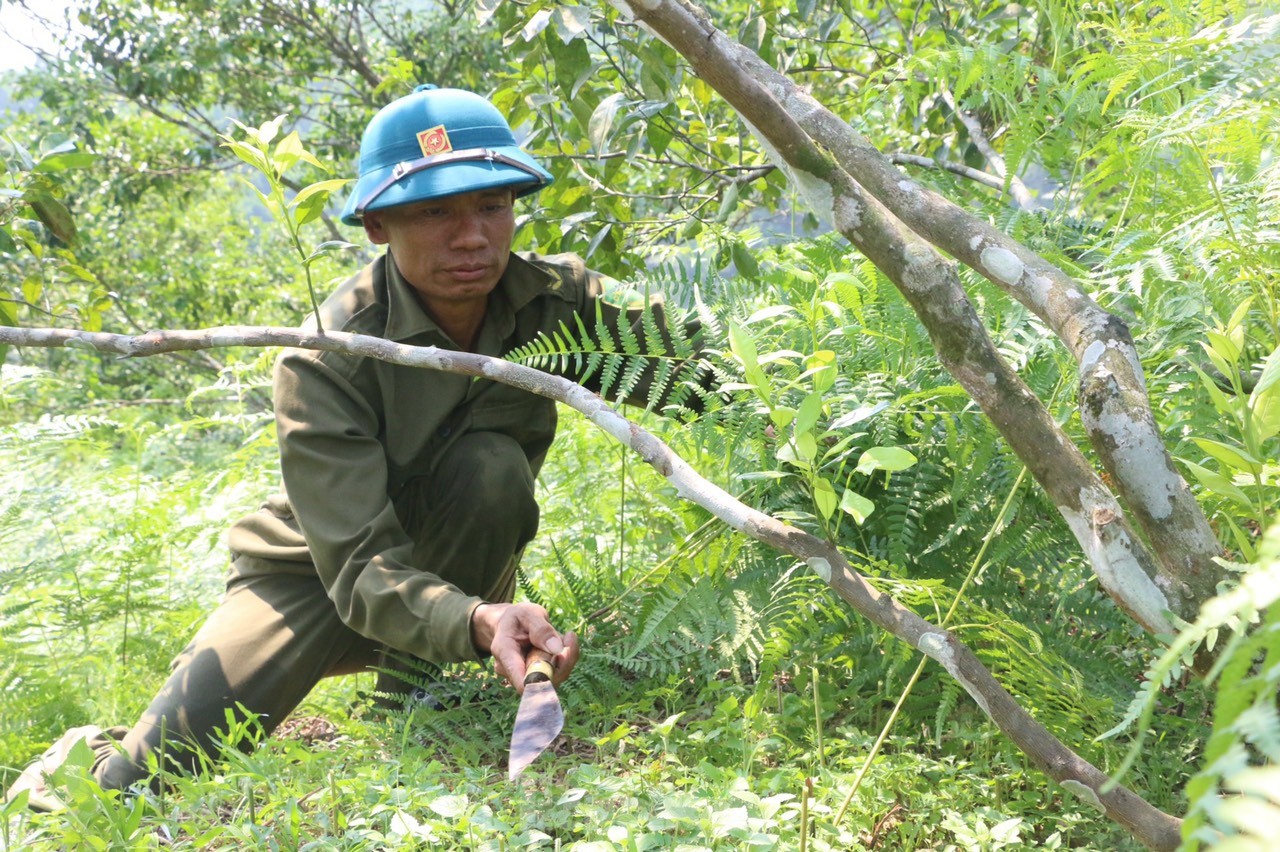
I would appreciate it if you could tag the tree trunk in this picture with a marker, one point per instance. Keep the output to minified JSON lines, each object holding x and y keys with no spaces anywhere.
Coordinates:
{"x":896,"y":223}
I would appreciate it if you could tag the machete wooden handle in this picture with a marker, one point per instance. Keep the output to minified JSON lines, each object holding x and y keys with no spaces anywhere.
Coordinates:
{"x":538,"y":666}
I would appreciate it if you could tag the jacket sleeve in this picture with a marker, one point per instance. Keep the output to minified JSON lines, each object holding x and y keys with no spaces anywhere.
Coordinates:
{"x":335,"y":477}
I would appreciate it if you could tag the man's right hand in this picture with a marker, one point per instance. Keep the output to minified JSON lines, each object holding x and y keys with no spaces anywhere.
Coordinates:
{"x":510,"y":631}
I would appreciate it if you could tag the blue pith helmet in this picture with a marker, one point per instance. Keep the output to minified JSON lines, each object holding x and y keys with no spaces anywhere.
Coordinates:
{"x":438,"y":142}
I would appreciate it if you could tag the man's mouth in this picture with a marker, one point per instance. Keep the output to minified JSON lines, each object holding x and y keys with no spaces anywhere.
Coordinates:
{"x":469,"y":273}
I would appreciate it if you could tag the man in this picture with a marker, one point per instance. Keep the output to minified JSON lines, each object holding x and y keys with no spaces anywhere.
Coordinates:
{"x":408,"y":494}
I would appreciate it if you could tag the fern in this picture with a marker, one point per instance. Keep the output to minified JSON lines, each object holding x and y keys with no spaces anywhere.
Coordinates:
{"x":947,"y":701}
{"x":633,"y":359}
{"x":1236,"y":792}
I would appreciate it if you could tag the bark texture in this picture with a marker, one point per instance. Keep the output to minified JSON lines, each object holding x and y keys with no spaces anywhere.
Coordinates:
{"x":1147,"y":823}
{"x":897,"y":223}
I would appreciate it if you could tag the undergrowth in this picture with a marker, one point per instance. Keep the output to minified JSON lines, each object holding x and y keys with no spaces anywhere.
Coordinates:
{"x":720,"y":687}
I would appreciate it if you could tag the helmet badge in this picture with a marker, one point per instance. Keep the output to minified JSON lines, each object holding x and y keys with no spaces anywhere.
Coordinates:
{"x":434,"y":141}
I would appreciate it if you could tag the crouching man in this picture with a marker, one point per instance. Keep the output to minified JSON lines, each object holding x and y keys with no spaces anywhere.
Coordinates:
{"x":407,"y":494}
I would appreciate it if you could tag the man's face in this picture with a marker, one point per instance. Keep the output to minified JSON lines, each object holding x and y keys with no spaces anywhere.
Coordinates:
{"x":451,"y":250}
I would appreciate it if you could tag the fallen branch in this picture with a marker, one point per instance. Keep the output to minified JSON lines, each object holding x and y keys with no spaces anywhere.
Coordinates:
{"x":1150,"y":825}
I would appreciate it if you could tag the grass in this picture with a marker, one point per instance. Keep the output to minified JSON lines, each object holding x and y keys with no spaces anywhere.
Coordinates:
{"x":707,"y":777}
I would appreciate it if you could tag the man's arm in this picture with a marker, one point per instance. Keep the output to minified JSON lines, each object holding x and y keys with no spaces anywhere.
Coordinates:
{"x":336,"y":479}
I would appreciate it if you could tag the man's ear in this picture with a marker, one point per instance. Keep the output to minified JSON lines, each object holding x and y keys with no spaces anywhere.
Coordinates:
{"x":374,"y":229}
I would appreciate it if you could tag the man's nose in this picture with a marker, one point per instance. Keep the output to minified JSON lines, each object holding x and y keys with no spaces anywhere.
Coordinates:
{"x":468,"y":232}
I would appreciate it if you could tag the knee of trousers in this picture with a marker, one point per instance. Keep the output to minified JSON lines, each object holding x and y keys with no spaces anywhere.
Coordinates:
{"x":486,"y":476}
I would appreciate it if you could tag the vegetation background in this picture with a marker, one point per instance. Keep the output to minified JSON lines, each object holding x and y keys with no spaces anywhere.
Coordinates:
{"x":727,"y":699}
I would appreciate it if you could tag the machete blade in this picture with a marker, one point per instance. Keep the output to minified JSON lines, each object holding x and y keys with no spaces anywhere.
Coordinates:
{"x":539,"y":718}
{"x":538,"y":722}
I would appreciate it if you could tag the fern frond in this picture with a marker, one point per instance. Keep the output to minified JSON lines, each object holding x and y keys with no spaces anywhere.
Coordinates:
{"x":1246,"y":730}
{"x":649,"y":367}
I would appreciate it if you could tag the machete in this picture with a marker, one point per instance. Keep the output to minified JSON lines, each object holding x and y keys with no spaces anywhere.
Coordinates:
{"x":540,"y":717}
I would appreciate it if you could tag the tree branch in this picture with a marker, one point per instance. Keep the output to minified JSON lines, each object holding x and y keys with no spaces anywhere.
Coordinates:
{"x":821,"y":153}
{"x":1150,"y":825}
{"x":1114,"y":407}
{"x":899,"y":158}
{"x":930,"y":284}
{"x":1017,"y":188}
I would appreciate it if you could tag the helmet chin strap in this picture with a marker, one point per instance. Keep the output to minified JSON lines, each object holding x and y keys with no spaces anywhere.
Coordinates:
{"x":408,"y":167}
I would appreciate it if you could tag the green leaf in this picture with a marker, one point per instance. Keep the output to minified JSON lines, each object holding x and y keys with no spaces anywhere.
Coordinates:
{"x":728,"y":203}
{"x":788,"y":452}
{"x":1264,"y":402}
{"x":859,"y":414}
{"x":25,"y":161}
{"x":288,"y":151}
{"x":572,"y":65}
{"x":730,"y":387}
{"x":743,"y":347}
{"x":806,"y":446}
{"x":782,"y":417}
{"x":572,"y":21}
{"x":856,"y":506}
{"x":65,"y":160}
{"x":32,"y":290}
{"x":310,"y":210}
{"x":484,"y":10}
{"x":1225,"y":348}
{"x":836,"y":450}
{"x":55,"y":216}
{"x":449,"y":807}
{"x":600,"y":126}
{"x":600,"y":236}
{"x":311,"y":200}
{"x":330,"y":247}
{"x":1270,"y":376}
{"x":535,"y":25}
{"x":77,"y":271}
{"x":810,"y":411}
{"x":769,"y":313}
{"x":822,"y":367}
{"x":1243,"y":542}
{"x":324,"y":186}
{"x":660,"y":137}
{"x":824,"y":498}
{"x":1236,"y":458}
{"x":269,"y":129}
{"x":744,"y":260}
{"x":249,"y":154}
{"x":1235,"y":326}
{"x":1218,"y":484}
{"x":885,"y":458}
{"x":1220,"y":400}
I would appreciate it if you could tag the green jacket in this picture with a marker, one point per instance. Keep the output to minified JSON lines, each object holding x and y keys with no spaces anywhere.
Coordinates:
{"x":353,"y":431}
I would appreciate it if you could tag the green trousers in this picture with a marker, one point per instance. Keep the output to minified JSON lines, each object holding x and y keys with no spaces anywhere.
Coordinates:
{"x":275,"y":636}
